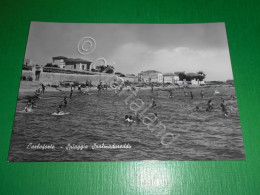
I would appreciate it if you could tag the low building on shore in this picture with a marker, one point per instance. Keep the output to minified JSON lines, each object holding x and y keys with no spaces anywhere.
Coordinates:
{"x":71,"y":63}
{"x":150,"y":76}
{"x":59,"y":61}
{"x":77,"y":64}
{"x":170,"y":78}
{"x":131,"y":78}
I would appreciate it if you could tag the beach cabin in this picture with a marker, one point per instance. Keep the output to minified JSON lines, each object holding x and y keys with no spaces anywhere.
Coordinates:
{"x":170,"y":78}
{"x":59,"y":61}
{"x":150,"y":76}
{"x":131,"y":78}
{"x":77,"y":64}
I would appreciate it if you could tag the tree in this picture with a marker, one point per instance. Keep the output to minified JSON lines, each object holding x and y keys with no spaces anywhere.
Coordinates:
{"x":182,"y":75}
{"x":201,"y":76}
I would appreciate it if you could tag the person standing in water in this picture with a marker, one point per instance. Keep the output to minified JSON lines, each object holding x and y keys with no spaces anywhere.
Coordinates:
{"x":43,"y":88}
{"x":71,"y":91}
{"x":99,"y":87}
{"x":210,"y":105}
{"x":59,"y":109}
{"x":201,"y":94}
{"x":170,"y":94}
{"x":223,"y":106}
{"x":153,"y":105}
{"x":191,"y":95}
{"x":65,"y":101}
{"x":79,"y":87}
{"x":29,"y":105}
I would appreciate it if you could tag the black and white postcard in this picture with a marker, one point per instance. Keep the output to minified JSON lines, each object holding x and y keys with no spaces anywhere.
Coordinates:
{"x":126,"y":92}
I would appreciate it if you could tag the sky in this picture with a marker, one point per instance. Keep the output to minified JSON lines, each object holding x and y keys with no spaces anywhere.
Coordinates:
{"x":132,"y":48}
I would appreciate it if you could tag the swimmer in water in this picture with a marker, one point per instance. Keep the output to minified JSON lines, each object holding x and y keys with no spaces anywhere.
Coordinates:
{"x":223,"y":106}
{"x":155,"y":121}
{"x":153,"y":105}
{"x":65,"y":101}
{"x":29,"y":106}
{"x":201,"y":94}
{"x":210,"y":105}
{"x":170,"y":94}
{"x":128,"y":119}
{"x":99,"y":87}
{"x":197,"y":108}
{"x":43,"y":88}
{"x":59,"y":109}
{"x":71,"y":91}
{"x":30,"y":102}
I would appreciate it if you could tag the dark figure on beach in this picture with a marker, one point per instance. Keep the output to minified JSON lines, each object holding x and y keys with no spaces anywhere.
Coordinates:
{"x":170,"y":94}
{"x":210,"y":105}
{"x":191,"y":95}
{"x":153,"y":103}
{"x":65,"y":101}
{"x":201,"y":94}
{"x":43,"y":88}
{"x":152,"y":87}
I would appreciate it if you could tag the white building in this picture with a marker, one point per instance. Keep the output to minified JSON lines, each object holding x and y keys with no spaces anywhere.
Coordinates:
{"x":77,"y":64}
{"x":170,"y":78}
{"x":59,"y":61}
{"x":71,"y":63}
{"x":150,"y":76}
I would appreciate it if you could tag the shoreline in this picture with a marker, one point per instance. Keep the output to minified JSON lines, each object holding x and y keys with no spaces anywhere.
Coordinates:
{"x":26,"y":87}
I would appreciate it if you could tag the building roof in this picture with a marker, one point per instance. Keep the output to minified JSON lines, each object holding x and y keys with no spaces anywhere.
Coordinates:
{"x":147,"y":72}
{"x":170,"y":74}
{"x":71,"y":61}
{"x":59,"y":58}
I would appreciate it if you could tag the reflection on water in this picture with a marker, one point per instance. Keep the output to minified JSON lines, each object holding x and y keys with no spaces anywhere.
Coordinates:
{"x":99,"y":118}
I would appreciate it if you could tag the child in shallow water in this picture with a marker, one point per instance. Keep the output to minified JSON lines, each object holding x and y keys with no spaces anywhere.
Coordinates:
{"x":59,"y":109}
